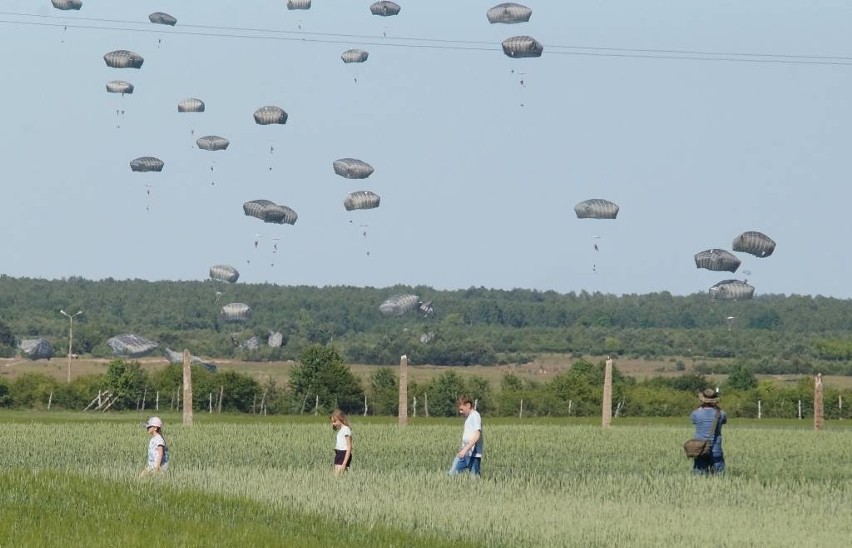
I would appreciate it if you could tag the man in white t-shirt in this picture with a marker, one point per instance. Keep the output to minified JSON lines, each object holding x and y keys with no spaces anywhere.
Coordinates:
{"x":469,"y":456}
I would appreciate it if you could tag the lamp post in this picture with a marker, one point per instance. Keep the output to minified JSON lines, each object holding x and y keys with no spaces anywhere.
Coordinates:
{"x":70,"y":336}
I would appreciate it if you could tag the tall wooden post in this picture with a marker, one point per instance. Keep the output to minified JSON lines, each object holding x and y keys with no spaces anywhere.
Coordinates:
{"x":606,"y":411}
{"x":819,"y":416}
{"x":187,"y":388}
{"x":403,"y":389}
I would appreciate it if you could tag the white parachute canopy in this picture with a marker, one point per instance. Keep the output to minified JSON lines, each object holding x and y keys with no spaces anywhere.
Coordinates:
{"x":224,"y":273}
{"x":36,"y":349}
{"x":399,"y":304}
{"x":119,"y":86}
{"x":190,"y":104}
{"x":122,"y":58}
{"x":131,"y":345}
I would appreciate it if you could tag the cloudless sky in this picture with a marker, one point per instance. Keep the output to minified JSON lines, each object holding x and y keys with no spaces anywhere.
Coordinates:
{"x":479,"y":158}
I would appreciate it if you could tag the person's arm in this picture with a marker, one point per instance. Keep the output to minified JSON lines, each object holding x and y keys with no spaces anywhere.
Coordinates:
{"x":348,"y":454}
{"x":158,"y":458}
{"x":471,"y":443}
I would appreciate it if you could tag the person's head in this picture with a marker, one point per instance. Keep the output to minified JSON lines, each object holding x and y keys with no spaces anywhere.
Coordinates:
{"x":338,"y":419}
{"x":154,"y":425}
{"x":465,"y":405}
{"x":708,"y":397}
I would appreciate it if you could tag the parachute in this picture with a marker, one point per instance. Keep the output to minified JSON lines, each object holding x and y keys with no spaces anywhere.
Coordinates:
{"x":224,"y":273}
{"x":732,"y":289}
{"x":130,"y":345}
{"x":596,"y":209}
{"x":270,"y":212}
{"x":275,"y":339}
{"x":67,"y":4}
{"x":122,"y":58}
{"x":509,"y":13}
{"x":236,"y":312}
{"x":191,"y":104}
{"x":717,"y":260}
{"x":397,"y":305}
{"x":298,"y":4}
{"x":361,"y":199}
{"x":177,"y":357}
{"x":119,"y":86}
{"x":352,"y":168}
{"x":354,"y":56}
{"x":161,"y":18}
{"x":212,"y":142}
{"x":146,"y":163}
{"x":36,"y":349}
{"x":522,"y":46}
{"x":385,"y":8}
{"x":270,"y":115}
{"x":755,"y":243}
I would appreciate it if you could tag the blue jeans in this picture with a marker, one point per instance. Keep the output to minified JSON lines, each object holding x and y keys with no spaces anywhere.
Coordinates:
{"x":710,"y":464}
{"x":460,"y":464}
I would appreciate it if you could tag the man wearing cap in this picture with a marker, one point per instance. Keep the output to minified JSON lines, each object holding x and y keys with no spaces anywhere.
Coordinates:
{"x":158,"y":451}
{"x":704,"y":418}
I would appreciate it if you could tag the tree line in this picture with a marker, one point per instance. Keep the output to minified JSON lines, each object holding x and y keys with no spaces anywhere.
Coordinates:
{"x":772,"y":333}
{"x":321,"y":381}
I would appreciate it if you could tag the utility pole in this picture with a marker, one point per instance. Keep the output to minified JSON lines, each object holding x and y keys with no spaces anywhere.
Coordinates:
{"x":70,"y":336}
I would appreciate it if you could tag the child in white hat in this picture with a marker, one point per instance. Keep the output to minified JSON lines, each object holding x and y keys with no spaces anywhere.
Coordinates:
{"x":158,"y":451}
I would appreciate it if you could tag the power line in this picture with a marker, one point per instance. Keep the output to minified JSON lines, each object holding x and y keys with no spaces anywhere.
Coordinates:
{"x":432,"y":43}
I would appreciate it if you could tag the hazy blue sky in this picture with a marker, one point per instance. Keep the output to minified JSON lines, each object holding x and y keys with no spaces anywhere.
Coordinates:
{"x":478,"y":174}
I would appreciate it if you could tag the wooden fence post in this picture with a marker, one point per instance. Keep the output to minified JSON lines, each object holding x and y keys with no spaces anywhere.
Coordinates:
{"x":606,"y":411}
{"x":819,"y":416}
{"x":187,"y":388}
{"x":403,"y":389}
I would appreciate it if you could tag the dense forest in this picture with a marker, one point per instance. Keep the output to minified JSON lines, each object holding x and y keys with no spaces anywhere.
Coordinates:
{"x":770,"y":333}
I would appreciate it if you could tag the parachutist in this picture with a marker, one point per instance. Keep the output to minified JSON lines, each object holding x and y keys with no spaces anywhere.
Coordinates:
{"x":365,"y":233}
{"x":596,"y":247}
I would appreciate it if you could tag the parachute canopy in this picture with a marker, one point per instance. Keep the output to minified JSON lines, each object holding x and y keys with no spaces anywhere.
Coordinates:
{"x":236,"y":312}
{"x":270,"y":115}
{"x":397,"y":305}
{"x":509,"y":13}
{"x":119,"y":86}
{"x":191,"y":104}
{"x":275,"y":339}
{"x":298,"y":4}
{"x":385,"y":8}
{"x":224,"y":273}
{"x":36,"y":349}
{"x":717,"y":260}
{"x":352,"y":168}
{"x":354,"y":56}
{"x":212,"y":142}
{"x":161,"y":18}
{"x":177,"y":357}
{"x":130,"y":345}
{"x":67,"y":4}
{"x":270,"y":212}
{"x":146,"y":163}
{"x":596,"y":208}
{"x":122,"y":58}
{"x":522,"y":46}
{"x":755,"y":243}
{"x":732,"y":289}
{"x":361,"y":199}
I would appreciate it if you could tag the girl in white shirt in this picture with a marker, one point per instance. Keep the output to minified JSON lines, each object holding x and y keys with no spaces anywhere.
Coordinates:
{"x":343,"y":442}
{"x":158,"y":451}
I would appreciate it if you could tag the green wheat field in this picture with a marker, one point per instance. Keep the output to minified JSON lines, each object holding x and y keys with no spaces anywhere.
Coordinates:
{"x":72,"y":479}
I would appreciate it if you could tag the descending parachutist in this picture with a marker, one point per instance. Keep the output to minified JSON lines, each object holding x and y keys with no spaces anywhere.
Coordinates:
{"x":596,"y":247}
{"x":218,"y":294}
{"x":523,"y":85}
{"x":368,"y":254}
{"x":271,"y":149}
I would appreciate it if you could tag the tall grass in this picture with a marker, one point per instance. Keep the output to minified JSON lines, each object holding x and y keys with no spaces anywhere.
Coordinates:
{"x":543,"y":484}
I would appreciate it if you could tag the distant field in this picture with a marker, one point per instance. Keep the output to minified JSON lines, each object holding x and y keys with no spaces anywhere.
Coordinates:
{"x":542,"y":369}
{"x":252,"y":481}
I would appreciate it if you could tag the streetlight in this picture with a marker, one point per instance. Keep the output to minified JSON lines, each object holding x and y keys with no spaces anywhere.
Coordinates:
{"x":70,"y":336}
